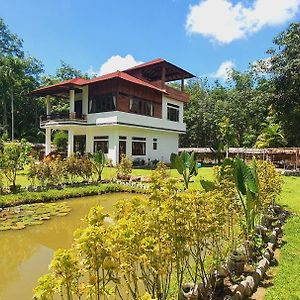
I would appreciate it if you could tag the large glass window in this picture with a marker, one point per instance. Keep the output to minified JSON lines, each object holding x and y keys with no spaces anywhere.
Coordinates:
{"x":173,"y":112}
{"x":102,"y":103}
{"x":138,"y":146}
{"x":141,"y":107}
{"x":101,"y":143}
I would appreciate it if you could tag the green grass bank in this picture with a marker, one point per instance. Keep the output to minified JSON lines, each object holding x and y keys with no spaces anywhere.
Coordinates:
{"x":286,"y":282}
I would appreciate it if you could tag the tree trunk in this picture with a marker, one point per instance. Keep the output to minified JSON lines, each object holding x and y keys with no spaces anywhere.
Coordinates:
{"x":4,"y":115}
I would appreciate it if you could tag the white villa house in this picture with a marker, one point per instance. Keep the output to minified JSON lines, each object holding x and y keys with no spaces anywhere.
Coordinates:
{"x":132,"y":112}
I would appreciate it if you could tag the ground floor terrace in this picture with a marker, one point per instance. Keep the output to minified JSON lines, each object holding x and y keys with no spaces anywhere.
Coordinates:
{"x":140,"y":144}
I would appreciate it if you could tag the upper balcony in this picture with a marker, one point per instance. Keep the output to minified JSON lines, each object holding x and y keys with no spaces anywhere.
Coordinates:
{"x":62,"y":118}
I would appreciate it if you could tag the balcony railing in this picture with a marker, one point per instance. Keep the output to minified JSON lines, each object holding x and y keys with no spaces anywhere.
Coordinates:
{"x":63,"y":117}
{"x":177,"y":94}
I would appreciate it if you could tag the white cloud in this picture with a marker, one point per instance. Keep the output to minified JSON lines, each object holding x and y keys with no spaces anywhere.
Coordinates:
{"x":114,"y":63}
{"x":117,"y":62}
{"x":224,"y":22}
{"x":224,"y":70}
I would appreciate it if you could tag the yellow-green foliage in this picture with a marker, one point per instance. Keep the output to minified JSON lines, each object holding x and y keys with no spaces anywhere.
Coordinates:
{"x":270,"y":183}
{"x":124,"y":168}
{"x":149,"y":241}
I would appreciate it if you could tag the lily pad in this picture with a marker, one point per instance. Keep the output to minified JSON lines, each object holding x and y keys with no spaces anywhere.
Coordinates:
{"x":4,"y":228}
{"x":19,"y":217}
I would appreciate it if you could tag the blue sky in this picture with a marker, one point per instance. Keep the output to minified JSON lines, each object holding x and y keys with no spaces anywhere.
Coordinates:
{"x":100,"y":36}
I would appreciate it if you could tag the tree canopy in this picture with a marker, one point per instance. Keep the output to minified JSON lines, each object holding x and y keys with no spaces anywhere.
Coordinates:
{"x":270,"y":88}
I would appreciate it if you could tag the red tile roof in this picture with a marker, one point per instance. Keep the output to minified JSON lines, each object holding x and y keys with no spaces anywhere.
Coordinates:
{"x":157,"y":62}
{"x":62,"y":87}
{"x":63,"y":84}
{"x":81,"y":81}
{"x":124,"y":76}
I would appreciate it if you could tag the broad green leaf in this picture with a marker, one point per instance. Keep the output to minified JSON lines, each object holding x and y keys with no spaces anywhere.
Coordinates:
{"x":180,"y":166}
{"x":207,"y":185}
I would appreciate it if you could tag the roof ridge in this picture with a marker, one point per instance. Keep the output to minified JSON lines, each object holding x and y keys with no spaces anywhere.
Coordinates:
{"x":153,"y":61}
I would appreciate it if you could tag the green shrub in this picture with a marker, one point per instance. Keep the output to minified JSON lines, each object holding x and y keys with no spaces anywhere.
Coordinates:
{"x":124,"y":168}
{"x":13,"y":157}
{"x":98,"y":162}
{"x":60,"y":140}
{"x":69,"y":192}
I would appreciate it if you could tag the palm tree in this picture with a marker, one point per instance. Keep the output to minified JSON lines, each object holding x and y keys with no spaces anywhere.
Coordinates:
{"x":271,"y":136}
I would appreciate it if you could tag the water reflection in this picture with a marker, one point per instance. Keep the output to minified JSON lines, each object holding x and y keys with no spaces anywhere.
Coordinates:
{"x":25,"y":254}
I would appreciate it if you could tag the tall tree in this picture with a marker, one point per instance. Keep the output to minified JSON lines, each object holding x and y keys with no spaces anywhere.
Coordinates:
{"x":243,"y":101}
{"x":18,"y":75}
{"x":284,"y":68}
{"x":10,"y":44}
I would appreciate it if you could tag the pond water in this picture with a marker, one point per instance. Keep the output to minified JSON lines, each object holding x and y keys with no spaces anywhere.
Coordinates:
{"x":25,"y":254}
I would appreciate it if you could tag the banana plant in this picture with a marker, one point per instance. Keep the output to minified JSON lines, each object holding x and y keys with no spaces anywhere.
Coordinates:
{"x":247,"y":186}
{"x":186,"y":165}
{"x":98,"y":159}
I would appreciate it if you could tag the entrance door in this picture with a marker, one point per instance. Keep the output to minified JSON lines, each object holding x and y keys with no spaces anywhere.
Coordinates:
{"x":122,"y":149}
{"x":79,"y":144}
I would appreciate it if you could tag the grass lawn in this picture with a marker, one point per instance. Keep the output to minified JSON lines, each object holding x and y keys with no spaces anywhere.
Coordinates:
{"x":287,"y":275}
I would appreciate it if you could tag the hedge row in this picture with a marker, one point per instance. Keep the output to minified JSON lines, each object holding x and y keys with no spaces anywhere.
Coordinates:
{"x":69,"y":192}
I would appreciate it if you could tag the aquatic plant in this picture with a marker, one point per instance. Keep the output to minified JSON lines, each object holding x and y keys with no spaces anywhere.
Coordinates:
{"x":19,"y":217}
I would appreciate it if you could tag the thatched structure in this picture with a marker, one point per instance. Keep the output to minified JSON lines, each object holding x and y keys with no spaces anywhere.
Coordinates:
{"x":287,"y":158}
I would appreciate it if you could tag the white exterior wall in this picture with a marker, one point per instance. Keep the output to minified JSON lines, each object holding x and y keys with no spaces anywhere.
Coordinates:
{"x":166,"y":100}
{"x":167,"y":142}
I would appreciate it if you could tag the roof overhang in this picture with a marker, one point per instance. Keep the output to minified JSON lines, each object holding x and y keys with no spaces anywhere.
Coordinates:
{"x":153,"y":70}
{"x":59,"y":89}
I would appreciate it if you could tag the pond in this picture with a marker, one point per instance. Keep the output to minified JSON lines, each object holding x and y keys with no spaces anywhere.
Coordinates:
{"x":25,"y":254}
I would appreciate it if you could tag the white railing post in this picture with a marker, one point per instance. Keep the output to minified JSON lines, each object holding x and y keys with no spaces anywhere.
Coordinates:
{"x":72,"y":101}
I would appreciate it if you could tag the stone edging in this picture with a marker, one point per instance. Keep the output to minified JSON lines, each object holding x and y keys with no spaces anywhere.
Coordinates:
{"x":248,"y":286}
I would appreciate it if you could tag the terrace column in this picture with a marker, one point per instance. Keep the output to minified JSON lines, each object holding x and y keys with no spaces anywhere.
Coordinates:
{"x":182,"y":84}
{"x":48,"y":106}
{"x":72,"y":104}
{"x":70,"y":142}
{"x":85,"y":99}
{"x":48,"y":141}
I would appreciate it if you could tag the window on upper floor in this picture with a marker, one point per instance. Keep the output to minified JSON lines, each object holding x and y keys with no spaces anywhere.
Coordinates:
{"x":141,"y":107}
{"x":173,"y":112}
{"x":102,"y":103}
